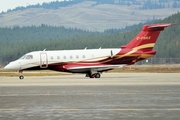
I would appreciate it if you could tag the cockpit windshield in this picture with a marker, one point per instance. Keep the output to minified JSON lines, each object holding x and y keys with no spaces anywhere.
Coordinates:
{"x":22,"y":57}
{"x":27,"y":57}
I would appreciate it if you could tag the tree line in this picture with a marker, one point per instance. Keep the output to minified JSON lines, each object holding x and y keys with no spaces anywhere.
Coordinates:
{"x":42,"y":32}
{"x":17,"y":41}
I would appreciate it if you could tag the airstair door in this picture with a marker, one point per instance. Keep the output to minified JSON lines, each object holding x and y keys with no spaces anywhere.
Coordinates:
{"x":43,"y":60}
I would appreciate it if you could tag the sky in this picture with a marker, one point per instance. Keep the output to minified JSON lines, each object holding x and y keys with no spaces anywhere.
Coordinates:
{"x":11,"y":4}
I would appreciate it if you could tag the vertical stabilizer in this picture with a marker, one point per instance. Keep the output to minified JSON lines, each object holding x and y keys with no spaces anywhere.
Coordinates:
{"x":146,"y":39}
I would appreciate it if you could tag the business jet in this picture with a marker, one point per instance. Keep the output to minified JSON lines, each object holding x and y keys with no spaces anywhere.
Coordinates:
{"x":92,"y":62}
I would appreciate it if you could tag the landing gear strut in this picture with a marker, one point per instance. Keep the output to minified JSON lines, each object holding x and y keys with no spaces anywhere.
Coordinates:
{"x":21,"y":76}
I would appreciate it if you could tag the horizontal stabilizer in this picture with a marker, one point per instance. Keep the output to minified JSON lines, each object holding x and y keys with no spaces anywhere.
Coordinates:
{"x":156,"y":27}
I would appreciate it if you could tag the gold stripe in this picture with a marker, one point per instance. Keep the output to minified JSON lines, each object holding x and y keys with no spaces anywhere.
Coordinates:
{"x":146,"y":55}
{"x":144,"y":46}
{"x":127,"y":54}
{"x":136,"y":49}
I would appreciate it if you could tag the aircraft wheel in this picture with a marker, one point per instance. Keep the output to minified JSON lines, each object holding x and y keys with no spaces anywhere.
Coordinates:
{"x":92,"y":76}
{"x":95,"y":75}
{"x":21,"y":77}
{"x":98,"y":75}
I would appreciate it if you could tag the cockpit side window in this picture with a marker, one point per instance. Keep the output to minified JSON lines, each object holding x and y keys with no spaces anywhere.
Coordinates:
{"x":29,"y":57}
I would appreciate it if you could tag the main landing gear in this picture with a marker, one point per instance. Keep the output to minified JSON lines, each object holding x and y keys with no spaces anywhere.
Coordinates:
{"x":94,"y":75}
{"x":20,"y":74}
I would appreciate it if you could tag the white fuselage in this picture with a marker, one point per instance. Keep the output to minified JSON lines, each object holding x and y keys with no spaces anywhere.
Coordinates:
{"x":44,"y":58}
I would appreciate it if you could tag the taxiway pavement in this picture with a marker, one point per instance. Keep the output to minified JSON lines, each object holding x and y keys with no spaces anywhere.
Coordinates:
{"x":129,"y":96}
{"x":106,"y":79}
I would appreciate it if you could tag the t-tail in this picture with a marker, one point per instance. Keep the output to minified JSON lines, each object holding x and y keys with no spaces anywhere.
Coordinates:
{"x":147,"y":38}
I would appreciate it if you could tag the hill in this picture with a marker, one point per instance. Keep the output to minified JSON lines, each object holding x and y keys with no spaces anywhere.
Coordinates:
{"x":93,"y":15}
{"x":17,"y":41}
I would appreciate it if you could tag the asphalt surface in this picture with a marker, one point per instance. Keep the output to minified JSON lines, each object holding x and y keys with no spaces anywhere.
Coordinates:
{"x":129,"y":96}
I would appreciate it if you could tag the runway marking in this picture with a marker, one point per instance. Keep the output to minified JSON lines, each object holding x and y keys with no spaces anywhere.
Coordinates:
{"x":12,"y":95}
{"x":111,"y":109}
{"x":11,"y":109}
{"x":65,"y":109}
{"x":124,"y":109}
{"x":174,"y":109}
{"x":136,"y":109}
{"x":84,"y":93}
{"x":44,"y":94}
{"x":78,"y":109}
{"x":115,"y":109}
{"x":9,"y":95}
{"x":87,"y":93}
{"x":126,"y":93}
{"x":165,"y":93}
{"x":149,"y":93}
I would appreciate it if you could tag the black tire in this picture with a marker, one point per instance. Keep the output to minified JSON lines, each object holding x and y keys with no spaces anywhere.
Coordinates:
{"x":21,"y":77}
{"x":98,"y":75}
{"x":92,"y":76}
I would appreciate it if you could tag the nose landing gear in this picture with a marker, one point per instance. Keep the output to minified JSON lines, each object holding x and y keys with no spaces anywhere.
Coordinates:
{"x":21,"y":76}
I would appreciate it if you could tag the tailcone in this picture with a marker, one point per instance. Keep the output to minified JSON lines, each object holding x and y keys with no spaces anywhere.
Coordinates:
{"x":147,"y":54}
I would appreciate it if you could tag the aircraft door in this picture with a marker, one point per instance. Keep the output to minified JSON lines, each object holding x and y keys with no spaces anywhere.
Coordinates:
{"x":43,"y":60}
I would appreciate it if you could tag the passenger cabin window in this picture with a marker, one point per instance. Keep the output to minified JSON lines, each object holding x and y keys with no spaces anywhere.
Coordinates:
{"x":29,"y":57}
{"x":77,"y":56}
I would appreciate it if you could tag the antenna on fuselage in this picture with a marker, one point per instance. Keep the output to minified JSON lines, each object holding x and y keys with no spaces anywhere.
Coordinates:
{"x":44,"y":50}
{"x":85,"y":48}
{"x":111,"y":54}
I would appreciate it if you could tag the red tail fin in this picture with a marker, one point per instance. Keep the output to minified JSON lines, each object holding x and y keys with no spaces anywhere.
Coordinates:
{"x":146,"y":39}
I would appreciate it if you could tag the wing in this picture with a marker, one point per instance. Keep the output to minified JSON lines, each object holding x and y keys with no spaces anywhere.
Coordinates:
{"x":98,"y":68}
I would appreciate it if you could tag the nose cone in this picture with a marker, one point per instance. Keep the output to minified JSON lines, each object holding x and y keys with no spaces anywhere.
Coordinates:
{"x":6,"y":67}
{"x":12,"y":66}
